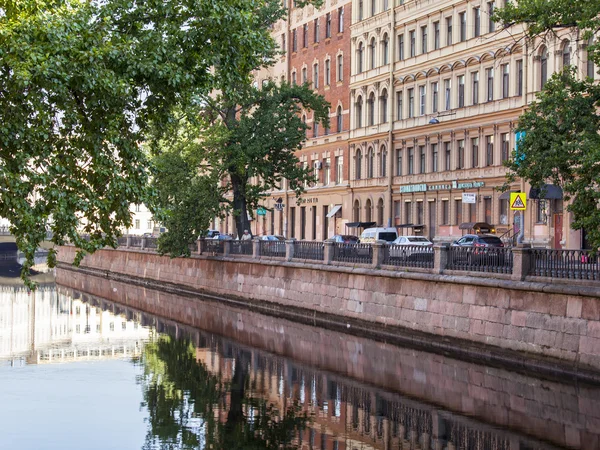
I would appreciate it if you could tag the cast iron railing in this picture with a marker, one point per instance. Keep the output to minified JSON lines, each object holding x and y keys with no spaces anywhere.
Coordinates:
{"x":241,"y":248}
{"x":151,"y":243}
{"x":135,"y":241}
{"x":309,"y":250}
{"x":409,"y":256}
{"x":481,"y":259}
{"x":215,"y":246}
{"x":572,"y":264}
{"x":272,"y":248}
{"x":353,"y":253}
{"x":122,"y":241}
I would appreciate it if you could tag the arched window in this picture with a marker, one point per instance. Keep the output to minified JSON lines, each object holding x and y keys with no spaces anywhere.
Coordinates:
{"x":372,"y":52}
{"x":383,"y":100}
{"x":591,"y":70}
{"x":358,"y":165}
{"x":359,"y":58}
{"x":339,"y":119}
{"x":359,"y":105}
{"x":566,"y":54}
{"x":543,"y":67}
{"x":368,"y":211}
{"x":356,"y":211}
{"x":371,"y":109}
{"x":385,"y":45}
{"x":383,"y":162}
{"x":370,"y":162}
{"x":380,"y":212}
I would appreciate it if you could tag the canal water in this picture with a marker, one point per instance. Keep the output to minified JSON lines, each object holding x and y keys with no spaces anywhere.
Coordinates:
{"x":80,"y":370}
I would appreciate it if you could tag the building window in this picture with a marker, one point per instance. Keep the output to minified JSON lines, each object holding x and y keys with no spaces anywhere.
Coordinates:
{"x":305,"y":35}
{"x":339,"y":169}
{"x":413,"y":44}
{"x":411,"y":103}
{"x":384,"y":101}
{"x":566,"y":54}
{"x":316,"y":129}
{"x":359,"y":104}
{"x":489,"y":150}
{"x":358,"y":165}
{"x":445,"y":212}
{"x":399,"y":105}
{"x":505,"y":80}
{"x":408,"y":212}
{"x":373,"y":7}
{"x":359,"y":58}
{"x":295,"y":40}
{"x":520,"y":77}
{"x":475,"y":87}
{"x":137,"y":224}
{"x":476,"y":22}
{"x":411,"y":161}
{"x":447,"y":156}
{"x":304,"y":75}
{"x":316,"y":76}
{"x":385,"y":49}
{"x":283,"y":49}
{"x":397,"y":210}
{"x":540,"y":213}
{"x":435,"y":94}
{"x":461,"y":91}
{"x":327,"y":72}
{"x":294,"y":81}
{"x":422,"y":100}
{"x":491,"y":23}
{"x":422,"y":168}
{"x":340,"y":68}
{"x":474,"y":152}
{"x":463,"y":26}
{"x":457,"y":212}
{"x":341,"y":20}
{"x":461,"y":154}
{"x":436,"y":35}
{"x":424,"y":39}
{"x":447,"y":90}
{"x":383,"y":162}
{"x":386,"y":5}
{"x":360,"y":9}
{"x":373,"y":52}
{"x":370,"y":163}
{"x":371,"y":109}
{"x":490,"y":84}
{"x":328,"y":26}
{"x":472,"y":212}
{"x":401,"y":47}
{"x":543,"y":68}
{"x":316,"y":27}
{"x":420,"y":213}
{"x":399,"y":162}
{"x":503,"y":212}
{"x":434,"y":157}
{"x":590,"y":69}
{"x":504,"y":140}
{"x":339,"y":119}
{"x":448,"y":30}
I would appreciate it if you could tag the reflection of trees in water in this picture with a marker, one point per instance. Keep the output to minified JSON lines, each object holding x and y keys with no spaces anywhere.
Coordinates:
{"x":189,"y":407}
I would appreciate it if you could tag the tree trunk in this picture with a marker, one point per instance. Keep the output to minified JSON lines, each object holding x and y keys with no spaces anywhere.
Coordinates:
{"x":239,"y":204}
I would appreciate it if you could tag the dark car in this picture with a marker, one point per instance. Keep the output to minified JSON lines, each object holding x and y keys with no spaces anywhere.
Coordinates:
{"x":479,"y":249}
{"x":478,"y":240}
{"x":345,"y":239}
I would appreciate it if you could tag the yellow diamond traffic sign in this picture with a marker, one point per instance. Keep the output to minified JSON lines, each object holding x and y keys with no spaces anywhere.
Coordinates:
{"x":518,"y":201}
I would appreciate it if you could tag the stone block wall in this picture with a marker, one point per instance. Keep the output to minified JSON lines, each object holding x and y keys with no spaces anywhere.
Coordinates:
{"x":510,"y":315}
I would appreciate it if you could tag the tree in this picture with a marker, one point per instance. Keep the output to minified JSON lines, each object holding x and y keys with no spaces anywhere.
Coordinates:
{"x":561,"y":142}
{"x":233,"y":143}
{"x":80,"y":84}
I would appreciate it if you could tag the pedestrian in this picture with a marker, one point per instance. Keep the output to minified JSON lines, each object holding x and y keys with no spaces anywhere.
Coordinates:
{"x":246,"y":236}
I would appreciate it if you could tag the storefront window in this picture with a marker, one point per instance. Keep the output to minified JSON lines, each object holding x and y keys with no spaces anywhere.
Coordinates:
{"x":541,"y":212}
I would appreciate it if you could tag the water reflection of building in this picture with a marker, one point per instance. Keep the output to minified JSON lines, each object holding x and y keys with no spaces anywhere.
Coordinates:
{"x":48,"y":326}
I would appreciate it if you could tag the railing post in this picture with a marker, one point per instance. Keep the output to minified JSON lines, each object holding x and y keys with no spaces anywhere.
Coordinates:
{"x":128,"y":244}
{"x":521,"y":261}
{"x":379,"y":249}
{"x":256,"y":248}
{"x":441,"y":253}
{"x":199,"y":245}
{"x":289,"y":249}
{"x":143,"y":242}
{"x":328,"y":252}
{"x":227,"y":248}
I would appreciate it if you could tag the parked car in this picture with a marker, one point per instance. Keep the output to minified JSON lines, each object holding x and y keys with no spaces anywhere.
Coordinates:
{"x":370,"y":235}
{"x":223,"y":237}
{"x":412,"y":248}
{"x":485,"y":249}
{"x":345,"y":239}
{"x":212,"y":234}
{"x":272,"y":237}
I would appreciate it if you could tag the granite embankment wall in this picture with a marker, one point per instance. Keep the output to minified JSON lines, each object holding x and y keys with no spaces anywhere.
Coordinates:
{"x":506,"y":314}
{"x":564,"y":414}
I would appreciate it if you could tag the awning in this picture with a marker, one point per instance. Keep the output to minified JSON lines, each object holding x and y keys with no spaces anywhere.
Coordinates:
{"x":478,"y":227}
{"x":547,"y":191}
{"x":334,"y":210}
{"x":506,"y":195}
{"x":361,"y":224}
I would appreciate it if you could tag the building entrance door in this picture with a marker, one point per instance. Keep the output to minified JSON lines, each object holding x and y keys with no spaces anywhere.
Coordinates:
{"x":432,"y":220}
{"x":558,"y":231}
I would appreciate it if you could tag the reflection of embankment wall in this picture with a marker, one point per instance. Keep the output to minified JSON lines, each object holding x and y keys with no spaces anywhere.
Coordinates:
{"x":563,"y":414}
{"x":505,"y":314}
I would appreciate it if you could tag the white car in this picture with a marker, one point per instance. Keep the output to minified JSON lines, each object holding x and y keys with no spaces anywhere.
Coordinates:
{"x":412,"y":240}
{"x":412,"y":248}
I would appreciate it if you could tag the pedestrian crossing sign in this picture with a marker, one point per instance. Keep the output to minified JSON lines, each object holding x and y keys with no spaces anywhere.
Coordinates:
{"x":518,"y":201}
